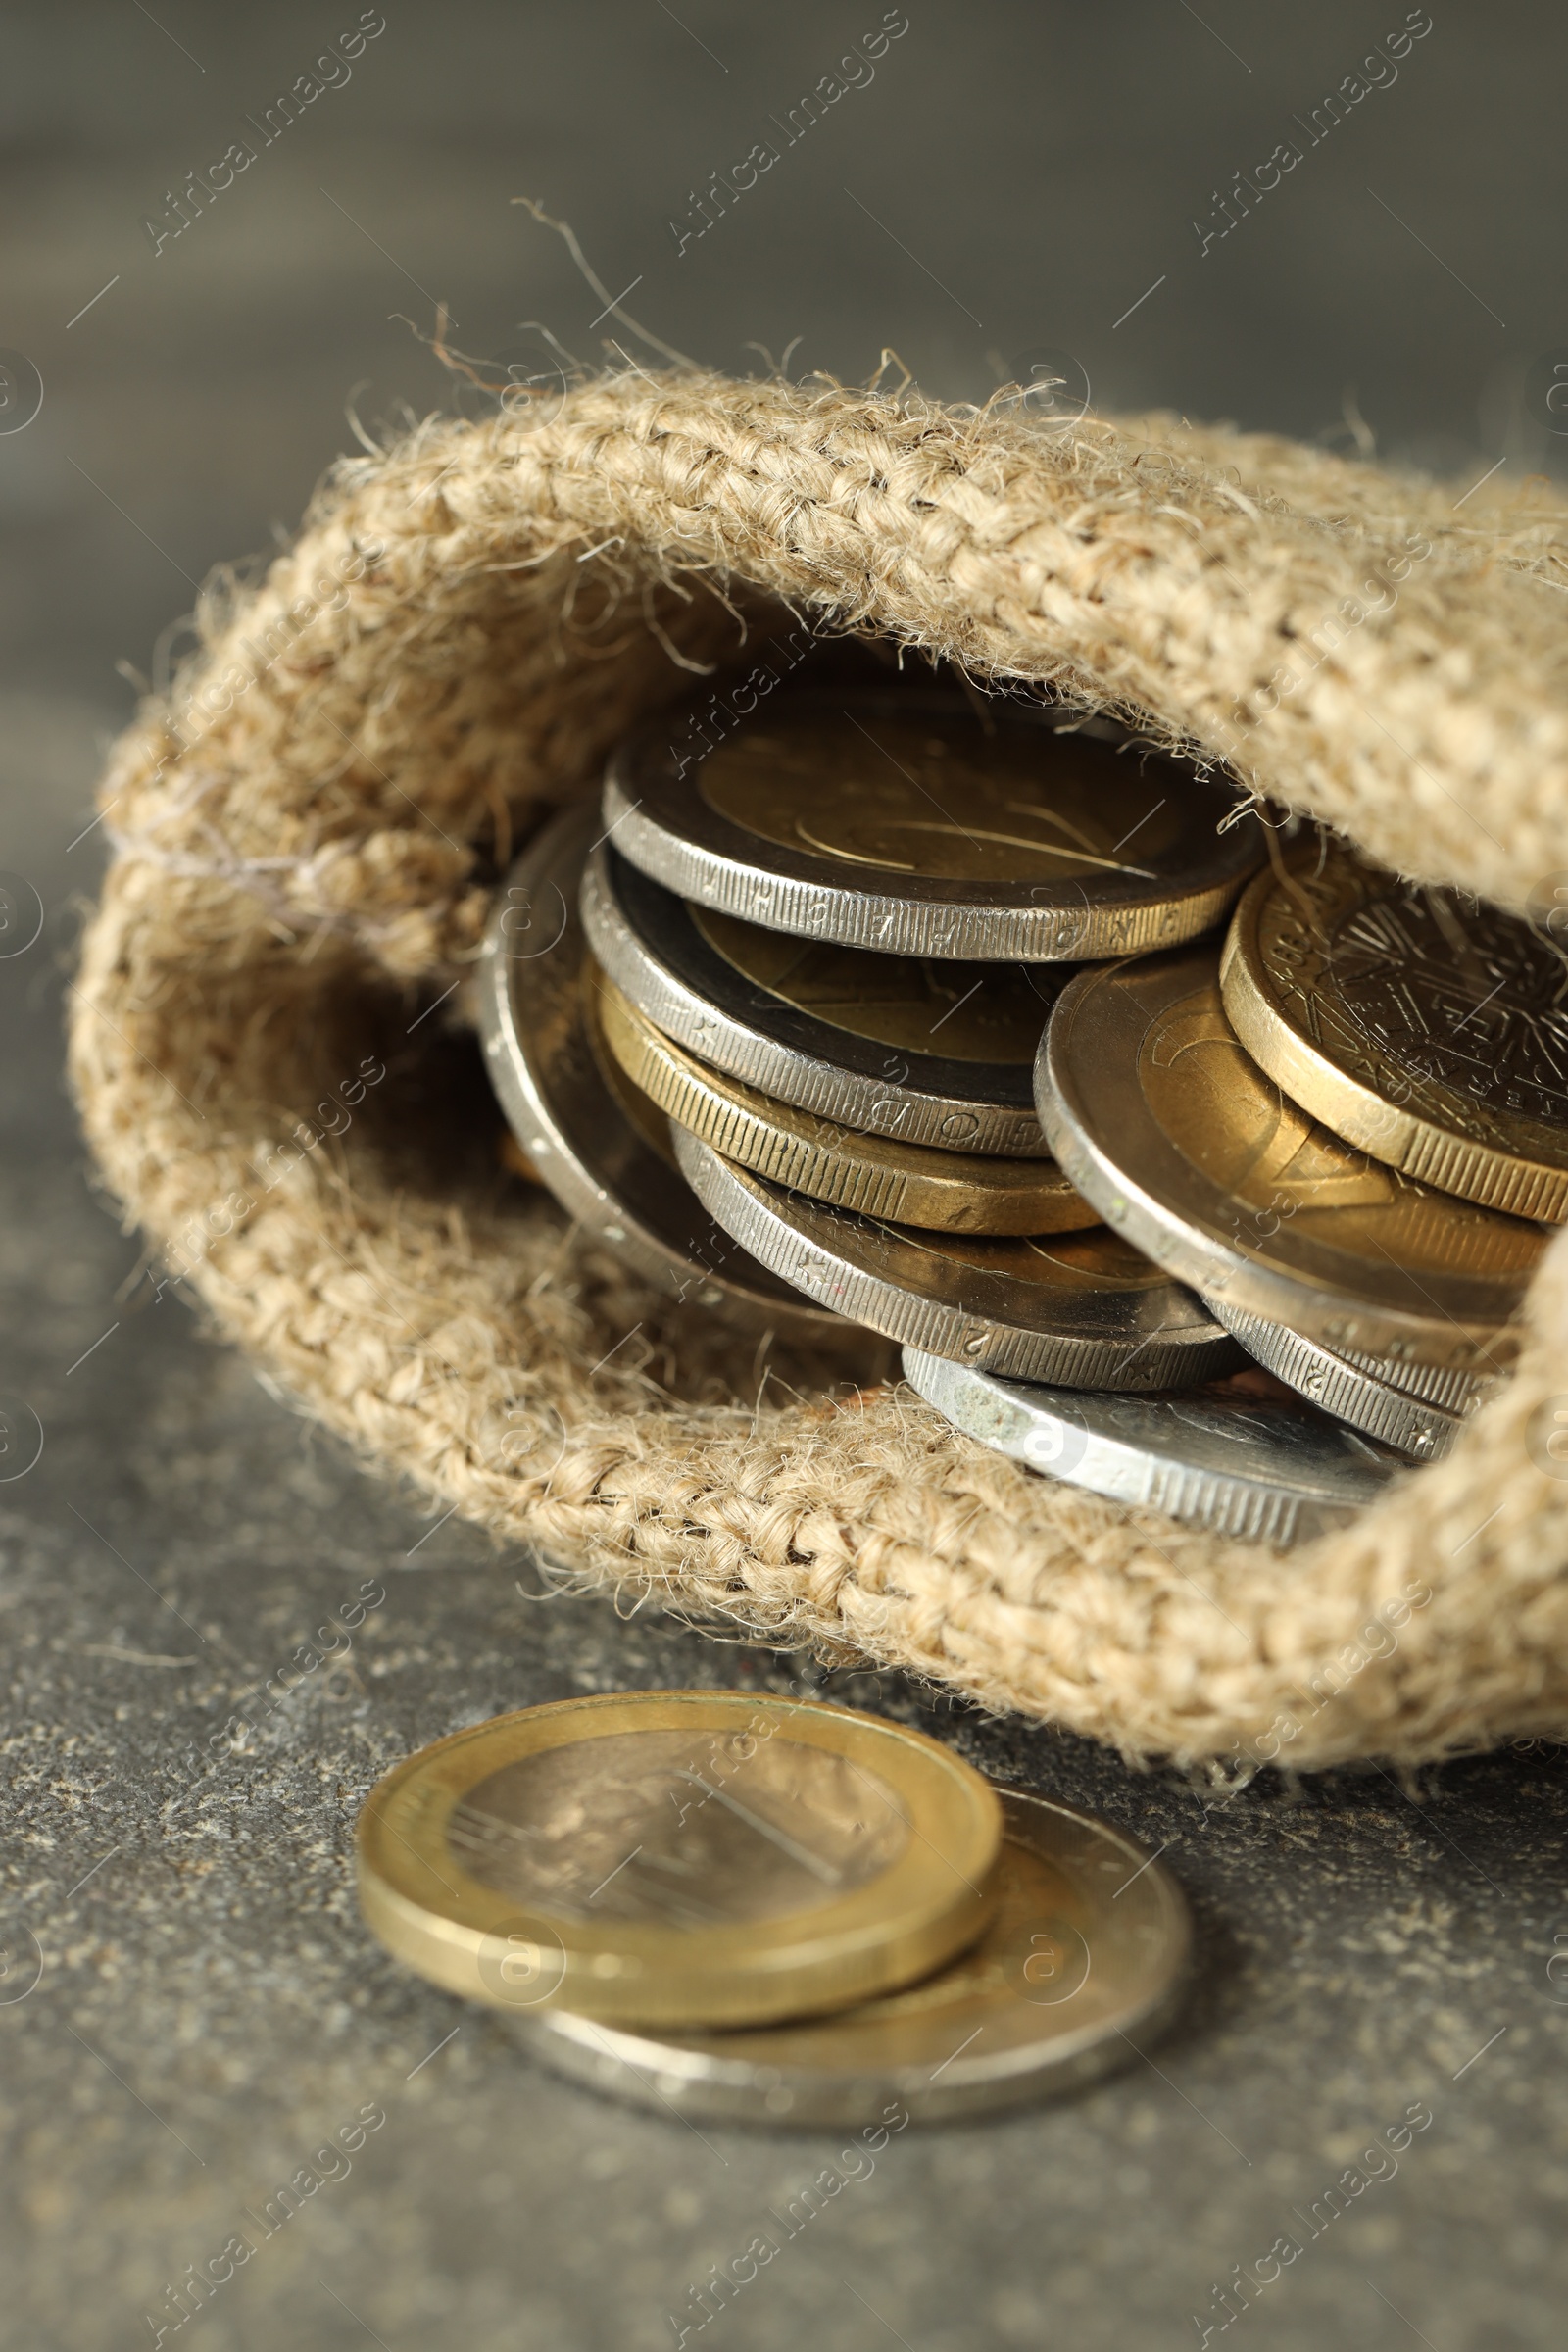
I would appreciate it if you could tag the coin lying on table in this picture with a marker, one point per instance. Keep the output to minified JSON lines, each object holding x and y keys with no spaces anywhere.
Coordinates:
{"x":1079,"y":1308}
{"x":1428,"y":1029}
{"x":1090,"y":1945}
{"x":916,"y":825}
{"x":1267,"y":1469}
{"x":605,"y":1158}
{"x":679,"y":1858}
{"x":952,"y":1192}
{"x":1167,"y":1126}
{"x":936,"y":1052}
{"x":1376,"y":1405}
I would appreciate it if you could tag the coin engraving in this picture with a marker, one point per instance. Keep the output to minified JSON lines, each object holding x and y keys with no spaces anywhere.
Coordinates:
{"x":981,"y":1012}
{"x":689,"y":1828}
{"x":1098,"y":1260}
{"x":679,"y":1858}
{"x":1089,"y":1943}
{"x":918,"y":798}
{"x":1425,"y":1027}
{"x":1245,"y":1134}
{"x":1433,"y":988}
{"x":1162,"y":1119}
{"x":913,"y":825}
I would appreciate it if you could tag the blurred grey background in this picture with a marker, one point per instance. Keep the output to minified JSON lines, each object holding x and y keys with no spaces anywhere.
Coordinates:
{"x":187,"y":2004}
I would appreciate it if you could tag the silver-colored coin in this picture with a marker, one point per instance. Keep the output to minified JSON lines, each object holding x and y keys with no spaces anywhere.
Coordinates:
{"x":1370,"y":1404}
{"x":645,"y":939}
{"x":601,"y":1165}
{"x":1445,"y":1386}
{"x":1266,"y":1470}
{"x":910,"y":824}
{"x":1090,"y":1945}
{"x":1080,"y":1307}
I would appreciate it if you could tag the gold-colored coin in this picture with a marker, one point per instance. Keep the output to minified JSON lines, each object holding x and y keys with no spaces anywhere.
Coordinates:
{"x":651,"y":1124}
{"x":743,"y":999}
{"x":912,"y":824}
{"x":980,"y":1012}
{"x":679,"y":1858}
{"x":948,"y":804}
{"x":912,"y":1184}
{"x":1196,"y":1155}
{"x":1424,"y":1028}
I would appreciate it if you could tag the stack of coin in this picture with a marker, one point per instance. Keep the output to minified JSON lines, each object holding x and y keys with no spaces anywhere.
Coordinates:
{"x":1347,"y":1129}
{"x":809,"y":968}
{"x":766,"y":1909}
{"x":828,"y":947}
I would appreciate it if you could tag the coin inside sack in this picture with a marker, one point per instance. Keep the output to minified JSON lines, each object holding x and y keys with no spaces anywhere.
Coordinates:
{"x":1090,"y":1945}
{"x":1079,"y":1308}
{"x":952,"y":1192}
{"x":1158,"y":1116}
{"x":1444,"y":1385}
{"x":679,"y":1857}
{"x":915,"y":824}
{"x":606,"y":1160}
{"x":1428,"y":1029}
{"x":1376,"y":1405}
{"x":938,"y":1053}
{"x":1266,"y":1468}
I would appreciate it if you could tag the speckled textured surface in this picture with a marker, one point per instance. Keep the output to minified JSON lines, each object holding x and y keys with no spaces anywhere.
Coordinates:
{"x":209,"y":2010}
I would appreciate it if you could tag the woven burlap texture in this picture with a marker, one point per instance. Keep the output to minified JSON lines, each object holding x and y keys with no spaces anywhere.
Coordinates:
{"x":307,"y":828}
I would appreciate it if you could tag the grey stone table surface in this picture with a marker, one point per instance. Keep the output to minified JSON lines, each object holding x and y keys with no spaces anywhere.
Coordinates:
{"x":190,"y":2009}
{"x":211,"y":2011}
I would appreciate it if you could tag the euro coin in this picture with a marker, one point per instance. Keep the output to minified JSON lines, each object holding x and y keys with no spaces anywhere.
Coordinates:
{"x":679,"y":1858}
{"x":1443,"y":1385}
{"x":1373,"y":1405}
{"x":1267,"y":1470}
{"x":1078,"y":1307}
{"x":912,"y":824}
{"x":605,"y":1158}
{"x":1090,"y":1947}
{"x":934,"y":1053}
{"x":1159,"y":1115}
{"x":952,"y":1192}
{"x":1427,"y":1029}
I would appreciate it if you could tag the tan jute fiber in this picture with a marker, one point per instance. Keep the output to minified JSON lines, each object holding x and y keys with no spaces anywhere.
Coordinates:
{"x":307,"y":832}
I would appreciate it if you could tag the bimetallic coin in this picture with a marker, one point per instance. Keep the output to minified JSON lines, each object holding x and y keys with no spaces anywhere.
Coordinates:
{"x":931,"y":1052}
{"x":1090,"y":1947}
{"x":1161,"y":1119}
{"x":951,"y":1191}
{"x":1427,"y":1029}
{"x":1269,"y":1470}
{"x":1078,"y":1307}
{"x":1442,"y":1384}
{"x":913,"y":825}
{"x":679,"y":1858}
{"x":606,"y":1160}
{"x":1375,"y":1406}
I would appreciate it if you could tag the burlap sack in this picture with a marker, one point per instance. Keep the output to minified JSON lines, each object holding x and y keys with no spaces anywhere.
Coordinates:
{"x":306,"y":833}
